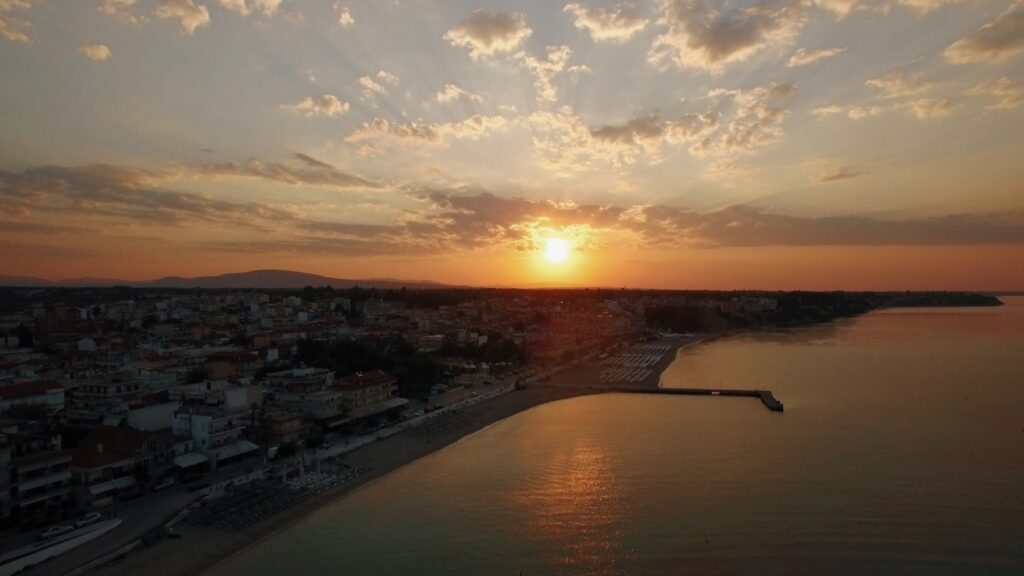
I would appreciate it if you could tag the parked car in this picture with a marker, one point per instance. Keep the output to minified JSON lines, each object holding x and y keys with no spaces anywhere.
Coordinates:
{"x":54,"y":531}
{"x":163,"y":484}
{"x":90,"y":518}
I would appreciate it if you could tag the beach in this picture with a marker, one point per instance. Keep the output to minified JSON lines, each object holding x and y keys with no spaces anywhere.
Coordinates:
{"x":199,"y":548}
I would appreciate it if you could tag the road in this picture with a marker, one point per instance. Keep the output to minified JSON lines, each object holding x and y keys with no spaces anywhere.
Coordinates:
{"x":138,"y":517}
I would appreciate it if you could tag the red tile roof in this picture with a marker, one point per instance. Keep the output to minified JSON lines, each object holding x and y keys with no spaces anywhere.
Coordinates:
{"x":42,"y":457}
{"x":26,"y":389}
{"x":89,"y":458}
{"x":122,"y":438}
{"x":365,"y":379}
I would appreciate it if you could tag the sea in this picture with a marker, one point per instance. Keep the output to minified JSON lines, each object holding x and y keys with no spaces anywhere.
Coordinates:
{"x":900,"y":451}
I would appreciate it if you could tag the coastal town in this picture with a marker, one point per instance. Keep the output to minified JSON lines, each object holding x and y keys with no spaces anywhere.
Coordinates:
{"x":130,"y":416}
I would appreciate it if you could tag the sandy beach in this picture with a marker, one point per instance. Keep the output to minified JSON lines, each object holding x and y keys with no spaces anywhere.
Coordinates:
{"x":200,"y":548}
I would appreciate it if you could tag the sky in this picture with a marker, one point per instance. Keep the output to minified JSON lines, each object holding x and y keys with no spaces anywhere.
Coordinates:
{"x":767,"y":144}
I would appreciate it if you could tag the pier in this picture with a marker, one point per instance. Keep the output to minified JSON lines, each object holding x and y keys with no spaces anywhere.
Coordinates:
{"x":766,"y":396}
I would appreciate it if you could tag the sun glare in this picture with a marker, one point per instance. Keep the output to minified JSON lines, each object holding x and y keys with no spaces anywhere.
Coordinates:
{"x":556,"y":251}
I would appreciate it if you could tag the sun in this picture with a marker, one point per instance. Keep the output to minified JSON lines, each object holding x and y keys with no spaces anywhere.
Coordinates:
{"x":556,"y":251}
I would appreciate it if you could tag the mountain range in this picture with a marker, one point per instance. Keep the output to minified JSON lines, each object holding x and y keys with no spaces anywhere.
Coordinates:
{"x":268,"y":279}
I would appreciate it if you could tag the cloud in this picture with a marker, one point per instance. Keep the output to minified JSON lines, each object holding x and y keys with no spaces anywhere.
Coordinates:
{"x":757,"y":121}
{"x":451,"y":220}
{"x":861,"y":112}
{"x":387,"y":78}
{"x":806,"y":56}
{"x":738,"y":226}
{"x":579,"y":71}
{"x":840,"y":173}
{"x":121,"y":10}
{"x":481,"y":219}
{"x":38,"y":250}
{"x":843,"y":8}
{"x":928,"y":108}
{"x":992,"y":43}
{"x":187,"y":12}
{"x":485,"y":34}
{"x":566,"y":145}
{"x":1008,"y":92}
{"x":741,"y":122}
{"x":344,"y":15}
{"x":925,"y":6}
{"x":896,"y":84}
{"x":247,"y":7}
{"x":708,"y":36}
{"x":372,"y":136}
{"x":371,"y":88}
{"x":544,"y":69}
{"x":326,"y":104}
{"x":451,"y":93}
{"x":12,"y":29}
{"x":127,"y":193}
{"x":616,"y":23}
{"x":312,"y":172}
{"x":853,"y":112}
{"x":95,"y":52}
{"x":41,"y":228}
{"x":310,"y":161}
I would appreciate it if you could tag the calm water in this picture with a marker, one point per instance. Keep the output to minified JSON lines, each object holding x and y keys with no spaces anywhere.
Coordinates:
{"x":901,"y":452}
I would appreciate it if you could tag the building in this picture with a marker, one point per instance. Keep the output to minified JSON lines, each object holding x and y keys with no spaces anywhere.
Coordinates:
{"x":279,"y":427}
{"x":325,"y":406}
{"x":40,"y":395}
{"x":98,"y":476}
{"x":216,"y":434}
{"x":41,"y":485}
{"x":5,"y":478}
{"x":367,"y":388}
{"x":300,"y":379}
{"x":367,"y":395}
{"x":151,"y":452}
{"x":232,"y":364}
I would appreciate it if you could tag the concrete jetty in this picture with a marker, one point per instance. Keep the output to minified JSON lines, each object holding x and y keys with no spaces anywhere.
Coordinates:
{"x":766,"y":396}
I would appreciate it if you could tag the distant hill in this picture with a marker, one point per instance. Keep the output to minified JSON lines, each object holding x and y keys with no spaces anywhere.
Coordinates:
{"x":269,"y":279}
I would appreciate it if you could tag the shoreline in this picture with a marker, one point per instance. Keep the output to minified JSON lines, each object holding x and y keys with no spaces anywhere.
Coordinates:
{"x":201,"y":549}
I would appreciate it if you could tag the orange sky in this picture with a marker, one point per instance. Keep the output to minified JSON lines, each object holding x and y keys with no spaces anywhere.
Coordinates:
{"x":840,"y":144}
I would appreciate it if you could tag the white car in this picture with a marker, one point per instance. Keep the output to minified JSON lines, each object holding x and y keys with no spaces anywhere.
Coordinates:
{"x":54,"y":531}
{"x":90,"y":518}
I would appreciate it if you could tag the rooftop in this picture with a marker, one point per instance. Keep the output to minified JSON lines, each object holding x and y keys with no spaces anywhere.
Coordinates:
{"x":28,"y":389}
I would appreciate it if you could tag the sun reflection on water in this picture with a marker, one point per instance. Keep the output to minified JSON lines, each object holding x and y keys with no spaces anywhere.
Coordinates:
{"x":576,"y":506}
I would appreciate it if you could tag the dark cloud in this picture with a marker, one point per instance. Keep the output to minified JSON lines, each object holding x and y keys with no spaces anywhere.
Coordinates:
{"x":460,"y":220}
{"x":129,"y":193}
{"x":38,"y":250}
{"x":994,"y":42}
{"x":840,"y":173}
{"x":312,"y":162}
{"x":746,"y":226}
{"x":486,"y":34}
{"x":41,"y":228}
{"x":609,"y":23}
{"x":708,"y":35}
{"x":312,"y":172}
